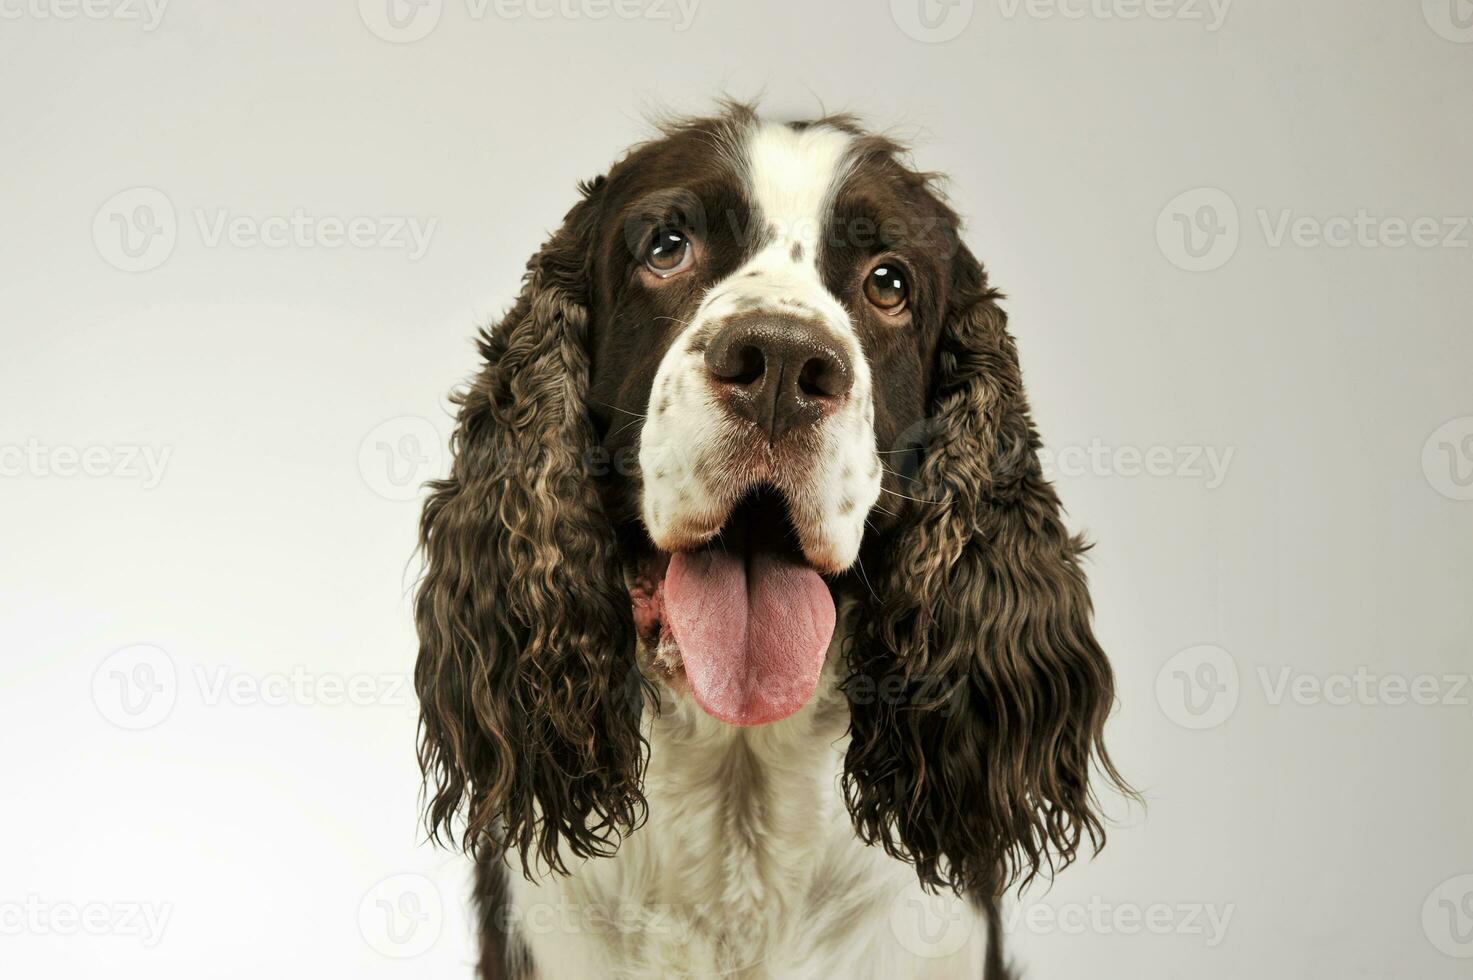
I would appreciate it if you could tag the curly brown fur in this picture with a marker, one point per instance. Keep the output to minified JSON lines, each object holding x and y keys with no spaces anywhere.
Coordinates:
{"x":983,"y":778}
{"x":526,"y":636}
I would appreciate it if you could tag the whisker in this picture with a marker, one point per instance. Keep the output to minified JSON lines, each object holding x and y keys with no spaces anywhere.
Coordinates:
{"x":624,"y":410}
{"x":864,"y":576}
{"x":904,"y":480}
{"x":919,"y":500}
{"x":623,"y":427}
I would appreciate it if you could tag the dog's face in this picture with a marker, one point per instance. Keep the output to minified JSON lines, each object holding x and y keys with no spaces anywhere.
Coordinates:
{"x":754,"y":370}
{"x":763,"y":322}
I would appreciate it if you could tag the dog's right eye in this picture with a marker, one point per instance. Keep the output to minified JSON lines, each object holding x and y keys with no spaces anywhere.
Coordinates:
{"x":669,"y":252}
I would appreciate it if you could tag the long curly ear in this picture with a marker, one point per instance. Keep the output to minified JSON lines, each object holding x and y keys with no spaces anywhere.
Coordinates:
{"x":527,"y":724}
{"x":974,"y":761}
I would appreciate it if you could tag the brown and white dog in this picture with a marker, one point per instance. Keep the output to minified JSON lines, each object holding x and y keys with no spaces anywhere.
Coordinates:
{"x":752,"y":643}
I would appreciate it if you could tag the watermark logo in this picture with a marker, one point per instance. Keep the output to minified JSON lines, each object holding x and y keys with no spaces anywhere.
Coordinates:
{"x":932,"y":21}
{"x":399,"y":455}
{"x":1447,"y":459}
{"x":401,"y":916}
{"x":135,"y":230}
{"x":1199,"y":230}
{"x":930,"y":926}
{"x":1447,"y":917}
{"x":1451,"y":19}
{"x":1198,"y":687}
{"x":401,"y":21}
{"x":136,"y":687}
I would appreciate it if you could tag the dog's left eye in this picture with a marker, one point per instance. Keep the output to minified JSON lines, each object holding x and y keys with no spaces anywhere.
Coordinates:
{"x":669,"y":252}
{"x":886,"y":287}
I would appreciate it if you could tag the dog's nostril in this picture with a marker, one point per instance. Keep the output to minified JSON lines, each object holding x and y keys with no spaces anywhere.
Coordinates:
{"x":820,"y":378}
{"x":747,"y":365}
{"x":739,"y":363}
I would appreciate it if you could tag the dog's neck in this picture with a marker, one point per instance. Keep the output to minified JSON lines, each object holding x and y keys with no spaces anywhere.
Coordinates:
{"x":748,"y":818}
{"x":747,"y":866}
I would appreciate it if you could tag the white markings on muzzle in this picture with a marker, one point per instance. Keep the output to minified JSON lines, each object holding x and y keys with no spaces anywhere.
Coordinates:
{"x":696,"y":460}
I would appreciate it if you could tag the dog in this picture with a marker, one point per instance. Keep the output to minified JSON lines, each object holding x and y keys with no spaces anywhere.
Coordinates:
{"x":752,"y":641}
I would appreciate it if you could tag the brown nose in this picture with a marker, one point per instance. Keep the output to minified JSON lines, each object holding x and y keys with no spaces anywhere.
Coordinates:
{"x":778,"y":373}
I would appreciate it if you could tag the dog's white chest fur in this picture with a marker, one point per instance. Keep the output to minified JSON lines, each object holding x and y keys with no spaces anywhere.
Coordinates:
{"x":748,"y":867}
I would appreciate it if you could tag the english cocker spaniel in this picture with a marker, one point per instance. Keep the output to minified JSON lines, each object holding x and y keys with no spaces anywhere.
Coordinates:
{"x":752,"y":642}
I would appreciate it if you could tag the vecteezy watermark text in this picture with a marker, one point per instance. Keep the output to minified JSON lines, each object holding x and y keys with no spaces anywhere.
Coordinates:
{"x":137,"y":229}
{"x":938,"y":21}
{"x":137,"y":687}
{"x":1208,"y":464}
{"x":299,"y":229}
{"x":1103,"y":918}
{"x":37,"y":459}
{"x":597,"y":918}
{"x":36,"y":916}
{"x":1211,"y":13}
{"x":1365,"y":687}
{"x":299,"y":686}
{"x":1362,"y":229}
{"x":150,"y":13}
{"x":406,"y":21}
{"x":1200,"y":230}
{"x":1200,"y":688}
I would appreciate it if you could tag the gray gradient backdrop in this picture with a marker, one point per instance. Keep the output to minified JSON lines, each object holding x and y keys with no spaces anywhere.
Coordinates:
{"x":1237,"y":252}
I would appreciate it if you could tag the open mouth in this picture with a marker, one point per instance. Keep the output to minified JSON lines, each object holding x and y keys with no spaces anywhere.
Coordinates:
{"x":751,"y":619}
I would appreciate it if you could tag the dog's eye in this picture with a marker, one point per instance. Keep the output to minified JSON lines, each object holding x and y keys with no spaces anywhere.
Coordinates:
{"x":669,"y":252}
{"x":886,"y":288}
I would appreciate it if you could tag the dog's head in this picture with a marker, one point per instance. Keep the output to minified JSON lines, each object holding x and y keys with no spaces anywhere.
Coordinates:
{"x":753,"y":371}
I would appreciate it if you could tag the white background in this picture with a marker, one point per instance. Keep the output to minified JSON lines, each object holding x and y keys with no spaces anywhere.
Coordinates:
{"x":267,"y":827}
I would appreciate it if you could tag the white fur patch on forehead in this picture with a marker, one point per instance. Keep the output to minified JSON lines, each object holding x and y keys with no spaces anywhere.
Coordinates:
{"x":793,"y":175}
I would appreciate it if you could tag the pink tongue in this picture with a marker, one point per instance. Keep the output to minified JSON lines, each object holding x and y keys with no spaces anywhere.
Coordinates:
{"x":753,"y":631}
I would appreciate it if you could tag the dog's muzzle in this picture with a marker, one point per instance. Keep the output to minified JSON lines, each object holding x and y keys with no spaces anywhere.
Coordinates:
{"x":780,"y":373}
